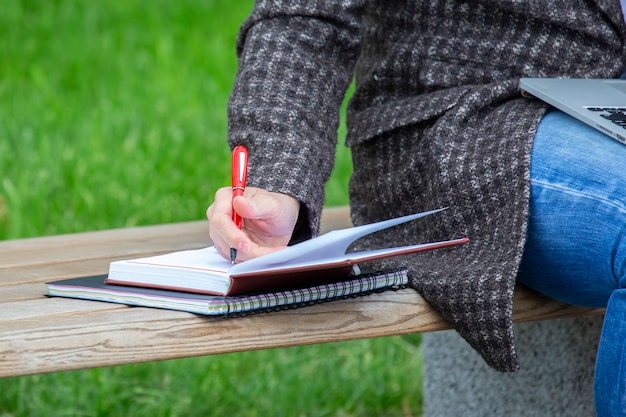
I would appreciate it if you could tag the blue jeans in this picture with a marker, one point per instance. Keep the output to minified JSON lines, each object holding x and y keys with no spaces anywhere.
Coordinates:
{"x":576,"y":247}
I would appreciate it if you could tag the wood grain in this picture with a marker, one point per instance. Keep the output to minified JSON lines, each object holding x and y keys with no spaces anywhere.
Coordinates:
{"x":40,"y":334}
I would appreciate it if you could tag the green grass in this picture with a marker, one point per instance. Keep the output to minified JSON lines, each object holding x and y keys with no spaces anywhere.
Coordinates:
{"x":113,"y":114}
{"x":376,"y":377}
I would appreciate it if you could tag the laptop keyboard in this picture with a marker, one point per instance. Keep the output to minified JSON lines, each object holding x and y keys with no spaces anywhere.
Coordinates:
{"x":616,"y":115}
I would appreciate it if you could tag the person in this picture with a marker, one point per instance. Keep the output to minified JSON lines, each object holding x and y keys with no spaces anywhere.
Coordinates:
{"x":437,"y":119}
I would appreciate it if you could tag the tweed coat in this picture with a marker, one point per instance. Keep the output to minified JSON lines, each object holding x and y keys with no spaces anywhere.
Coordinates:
{"x":436,"y":119}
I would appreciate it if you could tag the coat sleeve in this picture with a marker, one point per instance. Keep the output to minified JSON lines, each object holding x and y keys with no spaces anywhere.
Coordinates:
{"x":296,"y":59}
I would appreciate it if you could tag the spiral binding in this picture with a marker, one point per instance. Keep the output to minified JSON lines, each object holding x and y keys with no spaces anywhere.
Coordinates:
{"x":292,"y":299}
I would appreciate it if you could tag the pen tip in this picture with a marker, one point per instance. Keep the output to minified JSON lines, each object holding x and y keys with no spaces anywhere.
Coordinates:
{"x":233,"y":255}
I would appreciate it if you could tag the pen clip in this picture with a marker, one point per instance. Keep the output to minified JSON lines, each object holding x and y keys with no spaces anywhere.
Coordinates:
{"x":239,"y":168}
{"x":239,"y":177}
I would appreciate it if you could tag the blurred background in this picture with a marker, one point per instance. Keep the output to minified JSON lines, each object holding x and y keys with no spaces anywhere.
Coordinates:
{"x":113,"y":114}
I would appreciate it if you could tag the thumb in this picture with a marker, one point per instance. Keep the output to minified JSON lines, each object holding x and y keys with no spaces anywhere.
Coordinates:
{"x":259,"y":205}
{"x":253,"y":207}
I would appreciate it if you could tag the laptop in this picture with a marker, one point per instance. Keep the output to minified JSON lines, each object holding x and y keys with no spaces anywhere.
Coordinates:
{"x":601,"y":103}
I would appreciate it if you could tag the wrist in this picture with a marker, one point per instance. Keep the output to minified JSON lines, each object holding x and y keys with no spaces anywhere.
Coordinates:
{"x":301,"y":230}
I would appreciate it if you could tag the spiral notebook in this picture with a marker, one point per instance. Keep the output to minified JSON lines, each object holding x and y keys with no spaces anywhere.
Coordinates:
{"x":94,"y":288}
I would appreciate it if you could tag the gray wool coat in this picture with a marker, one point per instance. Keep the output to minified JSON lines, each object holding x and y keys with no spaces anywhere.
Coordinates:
{"x":436,"y":119}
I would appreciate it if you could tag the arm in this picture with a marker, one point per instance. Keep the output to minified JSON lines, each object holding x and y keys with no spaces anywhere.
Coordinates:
{"x":295,"y":64}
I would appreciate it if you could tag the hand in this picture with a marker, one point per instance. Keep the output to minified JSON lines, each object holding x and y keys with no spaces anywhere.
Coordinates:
{"x":268,"y":222}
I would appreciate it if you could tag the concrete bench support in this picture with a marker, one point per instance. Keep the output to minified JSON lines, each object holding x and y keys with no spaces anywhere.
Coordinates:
{"x":556,"y":379}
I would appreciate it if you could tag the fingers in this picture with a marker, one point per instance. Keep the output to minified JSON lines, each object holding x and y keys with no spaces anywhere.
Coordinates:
{"x":269,"y":219}
{"x":250,"y":250}
{"x":222,"y":229}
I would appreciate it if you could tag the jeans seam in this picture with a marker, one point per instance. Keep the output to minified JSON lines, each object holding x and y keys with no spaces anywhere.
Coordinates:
{"x":579,"y":193}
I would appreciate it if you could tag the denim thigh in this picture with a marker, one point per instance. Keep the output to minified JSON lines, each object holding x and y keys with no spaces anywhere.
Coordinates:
{"x":575,"y":249}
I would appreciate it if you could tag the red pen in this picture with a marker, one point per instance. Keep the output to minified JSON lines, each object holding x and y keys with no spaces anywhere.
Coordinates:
{"x":239,"y":176}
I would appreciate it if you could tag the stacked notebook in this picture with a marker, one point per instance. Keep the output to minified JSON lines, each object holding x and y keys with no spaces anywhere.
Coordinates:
{"x":94,"y":288}
{"x":201,"y":281}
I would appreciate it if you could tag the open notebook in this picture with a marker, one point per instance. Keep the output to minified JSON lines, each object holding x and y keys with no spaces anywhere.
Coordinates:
{"x":316,"y":261}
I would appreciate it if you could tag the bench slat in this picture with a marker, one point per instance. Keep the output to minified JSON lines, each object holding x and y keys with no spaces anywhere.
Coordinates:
{"x":81,"y":334}
{"x":131,"y":242}
{"x":40,"y":334}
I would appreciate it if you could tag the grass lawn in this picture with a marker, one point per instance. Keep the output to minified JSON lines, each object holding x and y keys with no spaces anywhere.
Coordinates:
{"x":113,"y":114}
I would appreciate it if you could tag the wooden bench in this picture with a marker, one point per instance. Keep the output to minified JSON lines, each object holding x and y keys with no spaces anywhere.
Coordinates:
{"x":40,"y":334}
